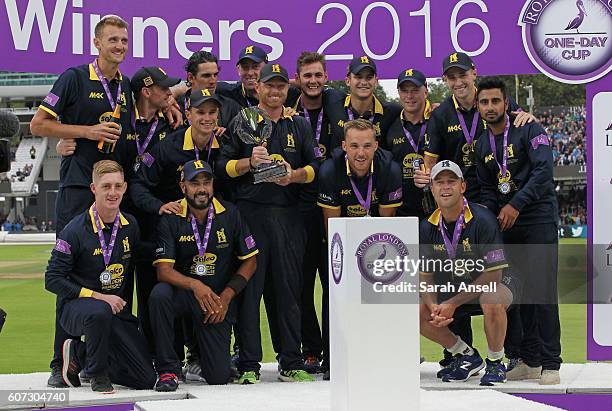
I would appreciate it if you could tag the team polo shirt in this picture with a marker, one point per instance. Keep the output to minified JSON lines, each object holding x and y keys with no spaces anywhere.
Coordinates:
{"x":229,"y":109}
{"x":78,"y":98}
{"x":310,"y":191}
{"x":229,"y":238}
{"x":480,"y":240}
{"x":291,"y":140}
{"x":383,"y":116}
{"x":157,"y":179}
{"x":404,"y":155}
{"x":530,"y":178}
{"x":76,"y":262}
{"x":445,"y":140}
{"x":237,"y":93}
{"x":336,"y":191}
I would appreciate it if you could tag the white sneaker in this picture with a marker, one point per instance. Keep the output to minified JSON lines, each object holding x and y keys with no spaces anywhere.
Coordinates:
{"x":523,"y":372}
{"x":550,"y":377}
{"x":193,"y":372}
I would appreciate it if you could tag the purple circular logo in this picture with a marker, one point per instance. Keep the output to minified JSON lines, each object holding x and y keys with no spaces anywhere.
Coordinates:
{"x":372,"y":254}
{"x":568,"y":40}
{"x":336,"y":257}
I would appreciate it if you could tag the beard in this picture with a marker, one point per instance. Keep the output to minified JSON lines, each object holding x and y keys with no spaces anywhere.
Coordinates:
{"x":198,"y":205}
{"x":498,"y":119}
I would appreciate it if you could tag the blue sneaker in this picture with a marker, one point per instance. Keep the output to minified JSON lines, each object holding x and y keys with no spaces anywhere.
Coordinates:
{"x":495,"y":373}
{"x":512,"y":362}
{"x":464,"y":367}
{"x":448,"y":367}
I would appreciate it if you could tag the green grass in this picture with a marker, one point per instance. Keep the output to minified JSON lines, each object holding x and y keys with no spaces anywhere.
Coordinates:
{"x":27,"y":337}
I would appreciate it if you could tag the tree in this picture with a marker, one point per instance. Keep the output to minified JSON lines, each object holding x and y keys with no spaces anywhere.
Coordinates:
{"x":438,"y":91}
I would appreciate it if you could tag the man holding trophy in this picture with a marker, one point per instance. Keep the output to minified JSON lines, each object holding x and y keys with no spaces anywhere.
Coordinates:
{"x":269,"y":154}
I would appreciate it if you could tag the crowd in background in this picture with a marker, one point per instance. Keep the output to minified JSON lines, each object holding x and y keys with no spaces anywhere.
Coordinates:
{"x":566,"y":128}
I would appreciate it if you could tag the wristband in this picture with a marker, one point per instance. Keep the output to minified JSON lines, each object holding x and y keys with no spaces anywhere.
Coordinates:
{"x":237,"y":283}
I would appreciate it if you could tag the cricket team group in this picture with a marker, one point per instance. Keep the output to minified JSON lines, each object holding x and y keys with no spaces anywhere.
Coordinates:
{"x":202,"y":196}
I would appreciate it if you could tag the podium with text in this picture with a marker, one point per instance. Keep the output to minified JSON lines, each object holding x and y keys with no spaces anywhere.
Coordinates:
{"x":374,"y":320}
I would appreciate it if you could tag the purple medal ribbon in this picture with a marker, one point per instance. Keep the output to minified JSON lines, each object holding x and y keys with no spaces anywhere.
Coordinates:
{"x":106,"y":251}
{"x":196,"y":234}
{"x":319,"y":121}
{"x":451,"y":247}
{"x":142,"y":148}
{"x":469,"y":137}
{"x":109,"y":96}
{"x":414,"y":145}
{"x":186,"y":108}
{"x":503,"y":167}
{"x":352,"y":117}
{"x":368,"y":201}
{"x":197,"y":151}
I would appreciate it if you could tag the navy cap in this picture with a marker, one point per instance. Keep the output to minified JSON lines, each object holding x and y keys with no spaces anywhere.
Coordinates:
{"x":199,"y":97}
{"x":152,"y":76}
{"x":270,"y":71}
{"x":254,"y":53}
{"x":414,"y":76}
{"x":457,"y":59}
{"x":194,"y":167}
{"x":360,"y":63}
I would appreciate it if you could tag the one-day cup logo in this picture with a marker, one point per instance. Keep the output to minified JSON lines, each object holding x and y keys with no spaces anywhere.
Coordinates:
{"x":336,"y":257}
{"x":568,"y":40}
{"x":380,"y":246}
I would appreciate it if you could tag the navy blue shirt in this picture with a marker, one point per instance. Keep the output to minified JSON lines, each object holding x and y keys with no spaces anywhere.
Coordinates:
{"x":78,"y":98}
{"x":530,"y":179}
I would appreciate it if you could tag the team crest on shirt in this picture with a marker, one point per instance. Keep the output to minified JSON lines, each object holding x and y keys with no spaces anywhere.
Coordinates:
{"x":126,"y":245}
{"x":221,"y":239}
{"x":467,"y":247}
{"x":290,"y":143}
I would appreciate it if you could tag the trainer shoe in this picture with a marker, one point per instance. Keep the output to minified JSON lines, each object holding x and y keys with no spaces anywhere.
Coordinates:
{"x":102,"y":384}
{"x":193,"y":372}
{"x":448,"y":368}
{"x":55,"y":379}
{"x":512,"y":362}
{"x":524,"y":372}
{"x":70,"y":364}
{"x":248,"y":377}
{"x":312,"y":365}
{"x":167,"y":382}
{"x":464,"y":367}
{"x":447,"y":360}
{"x":295,"y":376}
{"x":495,"y":373}
{"x":550,"y":377}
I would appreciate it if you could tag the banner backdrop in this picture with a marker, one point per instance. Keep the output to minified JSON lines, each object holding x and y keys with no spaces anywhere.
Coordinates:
{"x":568,"y":40}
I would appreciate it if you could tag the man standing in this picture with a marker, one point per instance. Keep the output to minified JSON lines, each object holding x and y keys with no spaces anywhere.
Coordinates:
{"x":361,"y":103}
{"x":269,"y":209}
{"x":202,"y":73}
{"x":465,"y":235}
{"x":195,"y":265}
{"x":83,"y":98}
{"x":244,"y":92}
{"x":516,"y":173}
{"x":406,"y":137}
{"x":90,"y":270}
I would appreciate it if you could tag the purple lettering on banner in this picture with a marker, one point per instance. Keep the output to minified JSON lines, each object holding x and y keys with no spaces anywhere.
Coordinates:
{"x":62,"y":246}
{"x":250,"y":242}
{"x":541,"y":140}
{"x":51,"y":99}
{"x":391,"y":35}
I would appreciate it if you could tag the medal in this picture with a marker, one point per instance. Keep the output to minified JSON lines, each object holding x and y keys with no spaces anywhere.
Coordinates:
{"x":200,"y":268}
{"x":109,"y":96}
{"x":367,"y":202}
{"x":142,"y":148}
{"x":469,"y":136}
{"x":451,"y":246}
{"x":504,"y":187}
{"x":105,"y":277}
{"x":416,"y":164}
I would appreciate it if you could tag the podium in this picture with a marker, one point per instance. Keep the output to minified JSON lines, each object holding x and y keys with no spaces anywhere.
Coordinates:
{"x":374,"y":313}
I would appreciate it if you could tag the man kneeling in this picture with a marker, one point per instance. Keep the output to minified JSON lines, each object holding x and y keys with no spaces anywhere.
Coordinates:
{"x":91,"y":270}
{"x":461,"y":274}
{"x":195,"y":261}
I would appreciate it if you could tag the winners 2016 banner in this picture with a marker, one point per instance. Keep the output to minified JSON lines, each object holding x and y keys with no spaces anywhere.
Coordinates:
{"x":568,"y":40}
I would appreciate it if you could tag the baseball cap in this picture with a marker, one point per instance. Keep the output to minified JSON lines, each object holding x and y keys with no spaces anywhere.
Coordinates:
{"x":194,"y":167}
{"x":414,"y":76}
{"x":199,"y":97}
{"x":445,"y":165}
{"x":149,"y":76}
{"x":360,"y":63}
{"x":254,"y":53}
{"x":270,"y":71}
{"x":457,"y":59}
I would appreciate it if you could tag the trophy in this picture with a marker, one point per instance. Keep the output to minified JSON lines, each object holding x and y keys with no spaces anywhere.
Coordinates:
{"x":253,"y":126}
